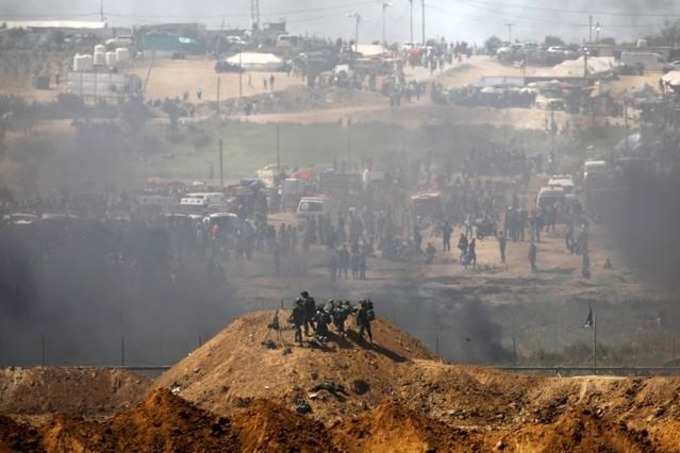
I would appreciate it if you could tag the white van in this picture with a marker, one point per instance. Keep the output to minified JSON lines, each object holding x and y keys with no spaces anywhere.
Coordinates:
{"x":313,"y":206}
{"x":549,"y":196}
{"x":203,"y":199}
{"x":566,"y":182}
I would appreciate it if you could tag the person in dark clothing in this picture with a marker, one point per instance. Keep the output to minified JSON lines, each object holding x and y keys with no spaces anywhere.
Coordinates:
{"x":321,"y":319}
{"x":340,"y":311}
{"x":472,"y":253}
{"x":533,"y":253}
{"x":430,"y":252}
{"x":447,"y":231}
{"x":363,"y":264}
{"x":364,"y":317}
{"x":297,"y":318}
{"x":418,"y":240}
{"x":502,"y":244}
{"x":462,"y":245}
{"x":310,"y":311}
{"x":344,"y":261}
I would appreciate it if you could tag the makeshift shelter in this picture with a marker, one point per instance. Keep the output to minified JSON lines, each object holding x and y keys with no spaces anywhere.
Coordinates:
{"x":597,"y":66}
{"x":254,"y":61}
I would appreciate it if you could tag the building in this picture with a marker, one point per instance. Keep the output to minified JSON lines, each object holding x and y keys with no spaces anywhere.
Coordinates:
{"x":67,"y":26}
{"x":166,"y":45}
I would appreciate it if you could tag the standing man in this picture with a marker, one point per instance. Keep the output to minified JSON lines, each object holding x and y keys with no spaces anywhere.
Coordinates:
{"x":344,"y":261}
{"x":472,"y":253}
{"x":462,"y":246}
{"x":310,"y":311}
{"x":297,"y":318}
{"x":502,"y":243}
{"x":447,"y":231}
{"x":364,"y":317}
{"x":533,"y":253}
{"x":363,"y":263}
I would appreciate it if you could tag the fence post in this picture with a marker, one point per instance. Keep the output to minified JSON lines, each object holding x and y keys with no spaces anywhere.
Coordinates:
{"x":122,"y":351}
{"x":43,"y":350}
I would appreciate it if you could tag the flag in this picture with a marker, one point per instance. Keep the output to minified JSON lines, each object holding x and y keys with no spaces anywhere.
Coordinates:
{"x":589,"y":320}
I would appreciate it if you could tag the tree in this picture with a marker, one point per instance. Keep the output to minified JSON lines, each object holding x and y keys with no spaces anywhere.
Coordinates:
{"x":553,"y":41}
{"x":134,"y":115}
{"x":493,"y":44}
{"x":669,"y":35}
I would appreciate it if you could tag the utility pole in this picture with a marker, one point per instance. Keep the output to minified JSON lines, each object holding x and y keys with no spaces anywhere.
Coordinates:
{"x":509,"y":33}
{"x":411,"y":6}
{"x":255,"y":14}
{"x":357,"y":20}
{"x":590,"y":29}
{"x":221,"y":164}
{"x":594,"y":344}
{"x":240,"y":74}
{"x":219,"y":82}
{"x":384,"y":5}
{"x":423,"y":11}
{"x":101,"y":11}
{"x":278,"y":151}
{"x":349,"y":145}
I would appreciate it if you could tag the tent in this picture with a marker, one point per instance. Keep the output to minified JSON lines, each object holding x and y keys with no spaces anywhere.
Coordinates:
{"x":254,"y":61}
{"x":371,"y":50}
{"x":576,"y":68}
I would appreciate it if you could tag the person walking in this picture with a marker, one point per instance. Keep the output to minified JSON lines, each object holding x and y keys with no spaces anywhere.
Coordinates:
{"x":533,"y":254}
{"x":502,"y":244}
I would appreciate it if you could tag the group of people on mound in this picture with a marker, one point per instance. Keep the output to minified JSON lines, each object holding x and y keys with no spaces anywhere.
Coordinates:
{"x":316,"y":319}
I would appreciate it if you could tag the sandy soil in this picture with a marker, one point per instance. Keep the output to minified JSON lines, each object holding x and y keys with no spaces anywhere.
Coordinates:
{"x":172,"y":78}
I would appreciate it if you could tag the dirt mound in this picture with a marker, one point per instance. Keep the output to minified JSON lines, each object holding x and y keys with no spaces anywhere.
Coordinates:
{"x":72,"y":391}
{"x":582,"y":430}
{"x":236,"y":366}
{"x":162,"y":423}
{"x":266,"y":426}
{"x":18,"y":437}
{"x":392,"y":427}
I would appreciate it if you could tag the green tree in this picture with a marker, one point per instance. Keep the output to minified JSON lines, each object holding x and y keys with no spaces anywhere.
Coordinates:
{"x":493,"y":44}
{"x":669,"y":35}
{"x":553,"y":41}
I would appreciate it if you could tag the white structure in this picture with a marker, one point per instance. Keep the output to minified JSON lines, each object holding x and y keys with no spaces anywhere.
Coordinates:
{"x":253,"y":61}
{"x":111,"y":60}
{"x":122,"y":55}
{"x":82,"y":63}
{"x":99,"y":58}
{"x":104,"y":85}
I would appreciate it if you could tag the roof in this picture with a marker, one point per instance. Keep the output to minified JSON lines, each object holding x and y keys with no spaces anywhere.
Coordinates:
{"x":72,"y":24}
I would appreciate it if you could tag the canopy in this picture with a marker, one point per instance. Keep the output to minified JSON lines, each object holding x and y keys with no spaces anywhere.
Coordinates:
{"x":255,"y":61}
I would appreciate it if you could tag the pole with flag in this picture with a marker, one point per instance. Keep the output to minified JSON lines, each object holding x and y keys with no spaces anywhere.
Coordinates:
{"x":591,"y":323}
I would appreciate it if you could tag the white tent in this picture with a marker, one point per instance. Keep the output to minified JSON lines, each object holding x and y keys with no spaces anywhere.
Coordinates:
{"x":253,"y":61}
{"x":371,"y":50}
{"x":576,"y":68}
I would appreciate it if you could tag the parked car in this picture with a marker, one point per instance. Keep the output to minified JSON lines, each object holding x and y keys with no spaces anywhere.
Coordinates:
{"x":672,"y":66}
{"x":223,"y":66}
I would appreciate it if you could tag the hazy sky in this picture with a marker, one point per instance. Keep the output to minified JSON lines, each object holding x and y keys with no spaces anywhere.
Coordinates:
{"x":473,"y":20}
